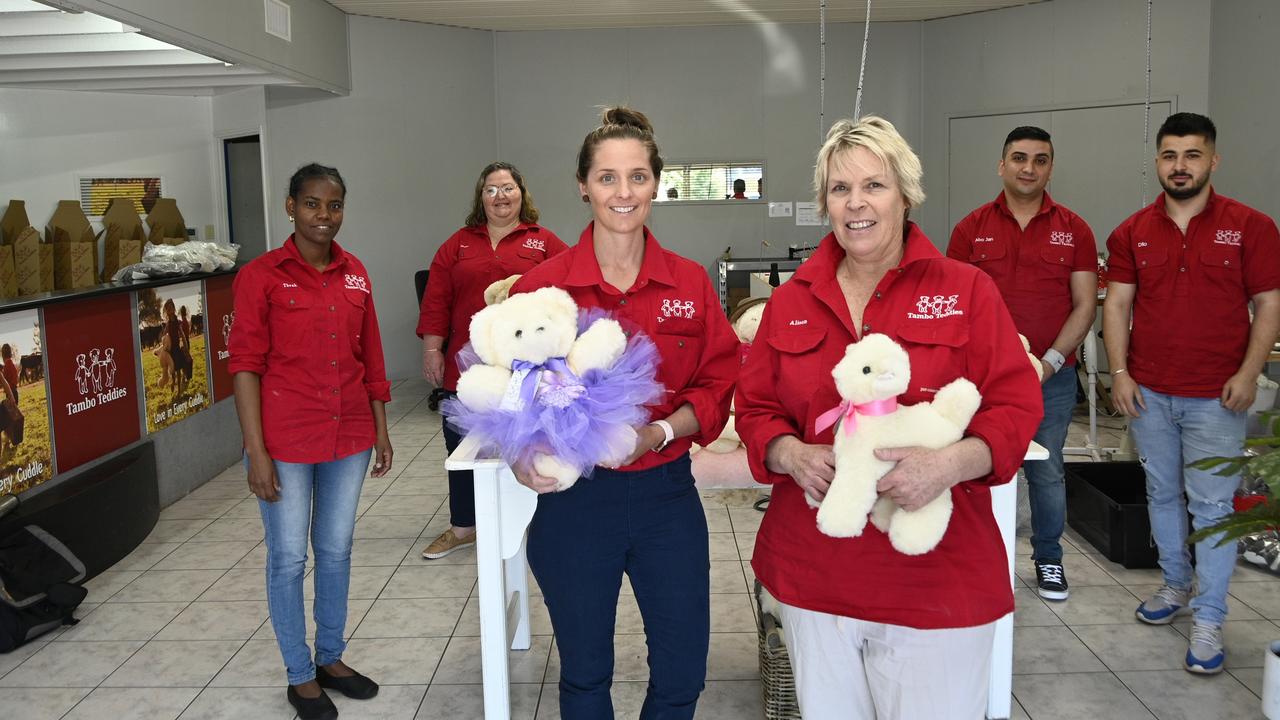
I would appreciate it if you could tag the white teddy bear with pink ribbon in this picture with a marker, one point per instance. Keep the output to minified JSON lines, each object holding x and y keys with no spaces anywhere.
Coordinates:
{"x":870,"y":377}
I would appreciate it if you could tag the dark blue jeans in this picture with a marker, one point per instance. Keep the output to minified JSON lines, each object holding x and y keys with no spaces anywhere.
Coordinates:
{"x":1046,"y":479}
{"x":650,"y":525}
{"x":462,"y":486}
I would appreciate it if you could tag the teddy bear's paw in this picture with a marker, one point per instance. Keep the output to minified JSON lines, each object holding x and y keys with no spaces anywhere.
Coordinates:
{"x":482,"y":387}
{"x":842,"y":522}
{"x":957,"y":402}
{"x":882,"y":514}
{"x":599,"y":346}
{"x":548,"y":466}
{"x":918,"y":532}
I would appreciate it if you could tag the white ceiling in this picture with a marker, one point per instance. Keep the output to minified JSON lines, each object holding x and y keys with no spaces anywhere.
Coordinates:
{"x":579,"y":14}
{"x":43,"y":47}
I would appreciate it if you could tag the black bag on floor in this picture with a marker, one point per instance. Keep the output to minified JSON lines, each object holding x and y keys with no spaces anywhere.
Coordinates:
{"x":39,"y":586}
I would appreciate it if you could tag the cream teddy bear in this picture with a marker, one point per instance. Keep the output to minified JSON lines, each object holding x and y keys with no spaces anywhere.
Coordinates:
{"x":870,"y":377}
{"x":530,"y":348}
{"x":1035,"y":361}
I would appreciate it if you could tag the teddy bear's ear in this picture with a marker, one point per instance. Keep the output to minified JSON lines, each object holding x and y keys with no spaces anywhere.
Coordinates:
{"x":558,"y":301}
{"x":481,"y":342}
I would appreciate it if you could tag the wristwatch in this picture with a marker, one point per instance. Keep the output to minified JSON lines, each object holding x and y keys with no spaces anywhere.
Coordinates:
{"x":668,"y":433}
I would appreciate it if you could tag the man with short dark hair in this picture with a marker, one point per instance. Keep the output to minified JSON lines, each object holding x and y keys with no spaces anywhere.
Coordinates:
{"x":1185,"y":269}
{"x":1044,"y":260}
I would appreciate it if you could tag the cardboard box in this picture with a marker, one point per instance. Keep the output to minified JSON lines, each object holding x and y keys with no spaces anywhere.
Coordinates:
{"x":165,"y":224}
{"x":122,"y":237}
{"x":8,"y":273}
{"x":75,"y":247}
{"x":32,"y":259}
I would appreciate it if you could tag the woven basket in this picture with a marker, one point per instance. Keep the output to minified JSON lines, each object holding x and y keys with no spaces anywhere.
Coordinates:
{"x":775,"y":667}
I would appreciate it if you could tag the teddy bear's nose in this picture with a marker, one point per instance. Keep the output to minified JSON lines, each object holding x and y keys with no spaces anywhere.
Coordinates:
{"x":541,"y":329}
{"x":519,"y":333}
{"x":866,"y":369}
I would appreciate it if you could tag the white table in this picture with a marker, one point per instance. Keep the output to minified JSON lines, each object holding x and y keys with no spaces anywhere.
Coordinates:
{"x":504,"y":509}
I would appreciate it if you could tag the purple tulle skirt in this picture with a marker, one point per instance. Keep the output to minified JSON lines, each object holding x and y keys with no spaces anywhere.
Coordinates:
{"x":581,"y":432}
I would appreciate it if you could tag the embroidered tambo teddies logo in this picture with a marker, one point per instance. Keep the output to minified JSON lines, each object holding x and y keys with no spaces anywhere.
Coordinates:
{"x":677,"y":308}
{"x":1059,"y":237}
{"x":1228,"y":237}
{"x":356,"y":282}
{"x":934,"y":307}
{"x":534,"y":243}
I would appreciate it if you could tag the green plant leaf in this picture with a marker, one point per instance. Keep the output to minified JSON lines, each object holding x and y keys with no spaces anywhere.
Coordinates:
{"x":1256,"y":519}
{"x":1210,"y":463}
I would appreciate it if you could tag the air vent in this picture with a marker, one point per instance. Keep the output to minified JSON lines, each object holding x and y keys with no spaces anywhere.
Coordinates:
{"x":277,"y":14}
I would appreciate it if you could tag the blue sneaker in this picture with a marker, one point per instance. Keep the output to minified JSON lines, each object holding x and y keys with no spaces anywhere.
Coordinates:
{"x":1162,"y":607}
{"x":1205,"y":655}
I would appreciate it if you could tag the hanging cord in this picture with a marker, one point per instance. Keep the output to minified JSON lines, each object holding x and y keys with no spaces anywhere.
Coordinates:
{"x":822,"y":69}
{"x":862,"y":70}
{"x":1146,"y":117}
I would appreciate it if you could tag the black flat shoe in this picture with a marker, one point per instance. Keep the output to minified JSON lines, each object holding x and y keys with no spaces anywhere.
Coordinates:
{"x":316,"y":708}
{"x":355,"y":686}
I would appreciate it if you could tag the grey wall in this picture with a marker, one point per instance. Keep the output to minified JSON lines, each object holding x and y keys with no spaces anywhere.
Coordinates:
{"x":723,"y":93}
{"x":1244,"y":96}
{"x":233,"y":31}
{"x":417,"y":127}
{"x":1066,"y":53}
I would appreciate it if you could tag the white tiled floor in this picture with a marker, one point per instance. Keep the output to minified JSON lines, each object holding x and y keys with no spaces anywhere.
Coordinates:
{"x":180,"y":627}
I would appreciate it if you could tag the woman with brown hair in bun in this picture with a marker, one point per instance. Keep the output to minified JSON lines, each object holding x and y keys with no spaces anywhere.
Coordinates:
{"x":644,"y":517}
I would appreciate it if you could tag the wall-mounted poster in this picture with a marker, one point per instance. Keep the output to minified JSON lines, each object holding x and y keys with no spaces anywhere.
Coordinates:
{"x":26,"y":445}
{"x":171,"y":323}
{"x":89,"y":355}
{"x":221,"y":313}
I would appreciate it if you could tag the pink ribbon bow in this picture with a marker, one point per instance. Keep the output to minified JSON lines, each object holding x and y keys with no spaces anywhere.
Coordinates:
{"x":849,"y":412}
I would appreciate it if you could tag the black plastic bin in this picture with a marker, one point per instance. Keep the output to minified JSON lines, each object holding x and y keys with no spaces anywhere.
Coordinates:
{"x":1107,"y":504}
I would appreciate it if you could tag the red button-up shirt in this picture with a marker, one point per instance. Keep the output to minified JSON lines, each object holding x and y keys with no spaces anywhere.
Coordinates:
{"x":951,"y":320}
{"x":1191,"y":310}
{"x":463,"y":267}
{"x":672,"y":301}
{"x":313,"y":337}
{"x":1032,"y":267}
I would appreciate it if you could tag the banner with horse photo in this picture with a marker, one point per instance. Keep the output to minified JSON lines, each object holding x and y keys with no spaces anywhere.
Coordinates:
{"x":26,"y":445}
{"x":175,"y":361}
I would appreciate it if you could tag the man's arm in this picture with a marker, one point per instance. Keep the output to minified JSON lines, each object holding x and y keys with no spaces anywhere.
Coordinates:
{"x":1084,"y":293}
{"x":1241,"y":388}
{"x":1115,"y":335}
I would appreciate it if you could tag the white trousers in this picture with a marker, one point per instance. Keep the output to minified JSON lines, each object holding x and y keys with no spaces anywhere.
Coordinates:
{"x":856,"y":670}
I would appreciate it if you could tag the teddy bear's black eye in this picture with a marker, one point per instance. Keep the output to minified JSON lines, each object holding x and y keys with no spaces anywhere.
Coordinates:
{"x":519,"y":333}
{"x":866,"y":369}
{"x":541,"y":329}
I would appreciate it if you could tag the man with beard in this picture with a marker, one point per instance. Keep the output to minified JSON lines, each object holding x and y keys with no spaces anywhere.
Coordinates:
{"x":1187,"y":267}
{"x":1044,"y":261}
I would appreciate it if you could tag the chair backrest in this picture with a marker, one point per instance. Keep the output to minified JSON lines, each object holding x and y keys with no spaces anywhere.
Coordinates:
{"x":420,"y":283}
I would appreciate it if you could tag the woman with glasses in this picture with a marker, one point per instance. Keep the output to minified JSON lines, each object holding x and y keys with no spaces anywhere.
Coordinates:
{"x":501,"y":238}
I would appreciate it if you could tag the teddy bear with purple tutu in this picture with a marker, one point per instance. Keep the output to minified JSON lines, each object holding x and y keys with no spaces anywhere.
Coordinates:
{"x":553,"y":388}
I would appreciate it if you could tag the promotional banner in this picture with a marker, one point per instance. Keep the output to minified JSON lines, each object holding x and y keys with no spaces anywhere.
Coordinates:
{"x":221,"y":313}
{"x":91,"y":377}
{"x":26,"y":445}
{"x":174,"y":360}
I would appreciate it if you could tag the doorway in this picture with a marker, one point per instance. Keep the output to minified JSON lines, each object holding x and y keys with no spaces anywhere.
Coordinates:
{"x":246,"y":219}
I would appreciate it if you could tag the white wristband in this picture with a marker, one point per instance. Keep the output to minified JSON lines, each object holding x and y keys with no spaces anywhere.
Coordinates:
{"x":1055,"y":359}
{"x":668,"y":433}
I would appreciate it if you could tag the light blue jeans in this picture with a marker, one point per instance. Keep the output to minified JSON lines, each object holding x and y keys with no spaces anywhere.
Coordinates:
{"x":1045,"y":478}
{"x":1170,"y":433}
{"x":320,"y":500}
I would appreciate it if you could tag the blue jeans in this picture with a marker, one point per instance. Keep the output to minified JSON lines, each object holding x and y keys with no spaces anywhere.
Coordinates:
{"x":320,"y":499}
{"x":1170,"y":433}
{"x":462,"y":485}
{"x":650,"y":525}
{"x":1045,"y":478}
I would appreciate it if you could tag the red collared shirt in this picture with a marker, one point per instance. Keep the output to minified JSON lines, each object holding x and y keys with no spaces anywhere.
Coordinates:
{"x":1032,"y":267}
{"x":463,"y":267}
{"x":672,"y":301}
{"x":950,"y":319}
{"x":1191,"y":310}
{"x":313,"y":337}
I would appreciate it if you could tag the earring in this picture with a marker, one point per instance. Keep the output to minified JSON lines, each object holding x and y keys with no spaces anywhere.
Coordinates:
{"x":585,"y":198}
{"x":290,"y":218}
{"x":655,"y":196}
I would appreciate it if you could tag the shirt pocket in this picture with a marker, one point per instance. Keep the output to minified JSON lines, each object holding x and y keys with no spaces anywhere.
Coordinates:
{"x":1050,"y":271}
{"x":291,"y":318}
{"x":936,"y":349}
{"x":354,"y":308}
{"x":804,"y":370}
{"x":1223,"y":270}
{"x":987,"y":251}
{"x":680,"y":342}
{"x":1152,"y":265}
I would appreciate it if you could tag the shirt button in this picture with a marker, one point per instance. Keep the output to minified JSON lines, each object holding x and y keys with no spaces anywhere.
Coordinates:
{"x":335,"y":417}
{"x":1062,"y":259}
{"x":324,"y":284}
{"x":332,"y":308}
{"x":1182,"y":269}
{"x":1144,"y":262}
{"x":984,"y":256}
{"x":623,"y":301}
{"x":1226,"y":262}
{"x":292,"y":301}
{"x":333,"y":363}
{"x":335,"y":391}
{"x":877,"y":294}
{"x":333,"y":336}
{"x":680,"y":343}
{"x":866,"y":328}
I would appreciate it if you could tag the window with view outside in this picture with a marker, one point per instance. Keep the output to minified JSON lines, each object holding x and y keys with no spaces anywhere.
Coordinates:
{"x":719,"y":181}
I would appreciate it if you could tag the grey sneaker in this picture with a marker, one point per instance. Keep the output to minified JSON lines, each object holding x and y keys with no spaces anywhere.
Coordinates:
{"x":1162,"y":607}
{"x":1205,"y":655}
